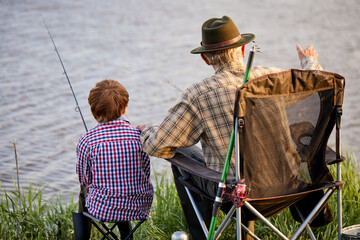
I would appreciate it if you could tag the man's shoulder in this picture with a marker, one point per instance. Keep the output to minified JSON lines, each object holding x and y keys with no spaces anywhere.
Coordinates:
{"x":198,"y":88}
{"x":261,"y":71}
{"x":204,"y":86}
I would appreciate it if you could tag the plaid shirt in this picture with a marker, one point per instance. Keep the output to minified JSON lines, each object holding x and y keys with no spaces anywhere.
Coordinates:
{"x":116,"y":170}
{"x":205,"y":114}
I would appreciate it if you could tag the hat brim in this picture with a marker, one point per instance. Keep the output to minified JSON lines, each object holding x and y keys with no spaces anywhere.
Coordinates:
{"x":245,"y":38}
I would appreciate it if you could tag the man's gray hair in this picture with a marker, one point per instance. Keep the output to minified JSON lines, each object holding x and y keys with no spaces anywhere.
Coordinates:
{"x":221,"y":57}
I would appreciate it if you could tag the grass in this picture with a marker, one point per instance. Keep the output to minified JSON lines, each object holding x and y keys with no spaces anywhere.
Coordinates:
{"x":166,"y":214}
{"x":25,"y":214}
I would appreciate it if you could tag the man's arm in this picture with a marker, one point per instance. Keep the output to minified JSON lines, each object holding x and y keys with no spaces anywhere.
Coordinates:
{"x":308,"y":58}
{"x":182,"y":127}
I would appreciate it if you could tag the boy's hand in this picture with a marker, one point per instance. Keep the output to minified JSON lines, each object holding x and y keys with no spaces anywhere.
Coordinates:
{"x":141,"y":127}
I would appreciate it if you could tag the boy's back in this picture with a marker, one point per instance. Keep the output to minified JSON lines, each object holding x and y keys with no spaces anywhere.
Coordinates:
{"x":111,"y":161}
{"x":118,"y":173}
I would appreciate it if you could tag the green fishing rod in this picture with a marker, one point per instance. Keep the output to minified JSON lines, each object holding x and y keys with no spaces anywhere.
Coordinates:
{"x":222,"y":183}
{"x":77,"y":108}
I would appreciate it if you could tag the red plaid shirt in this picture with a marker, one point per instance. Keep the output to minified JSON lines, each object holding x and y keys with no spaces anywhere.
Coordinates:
{"x":116,"y":170}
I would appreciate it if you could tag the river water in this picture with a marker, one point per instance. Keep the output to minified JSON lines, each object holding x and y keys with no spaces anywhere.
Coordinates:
{"x":145,"y":45}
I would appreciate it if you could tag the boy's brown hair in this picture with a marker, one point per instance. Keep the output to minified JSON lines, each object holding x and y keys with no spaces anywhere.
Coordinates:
{"x":108,"y":100}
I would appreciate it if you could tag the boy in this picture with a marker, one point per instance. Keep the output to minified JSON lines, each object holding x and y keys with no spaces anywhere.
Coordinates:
{"x":111,"y":162}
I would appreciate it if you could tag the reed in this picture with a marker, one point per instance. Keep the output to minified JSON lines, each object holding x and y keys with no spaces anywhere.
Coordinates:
{"x":17,"y":166}
{"x":26,"y":215}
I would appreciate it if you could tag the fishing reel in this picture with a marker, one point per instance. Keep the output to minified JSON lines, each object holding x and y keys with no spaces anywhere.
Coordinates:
{"x":238,"y":194}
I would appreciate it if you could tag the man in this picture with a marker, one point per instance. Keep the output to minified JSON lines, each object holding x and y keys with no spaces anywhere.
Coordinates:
{"x":205,"y":111}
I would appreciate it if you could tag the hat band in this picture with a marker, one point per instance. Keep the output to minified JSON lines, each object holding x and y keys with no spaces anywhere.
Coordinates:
{"x":221,"y":44}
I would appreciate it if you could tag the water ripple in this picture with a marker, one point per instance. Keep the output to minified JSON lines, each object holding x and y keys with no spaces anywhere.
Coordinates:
{"x":145,"y":45}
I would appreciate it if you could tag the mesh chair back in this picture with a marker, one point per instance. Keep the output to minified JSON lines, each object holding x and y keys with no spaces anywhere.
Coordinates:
{"x":288,"y":118}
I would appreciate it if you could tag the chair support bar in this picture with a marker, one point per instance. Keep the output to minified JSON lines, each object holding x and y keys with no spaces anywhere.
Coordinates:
{"x":225,"y":222}
{"x":201,"y":220}
{"x":310,"y":232}
{"x":262,"y":218}
{"x":314,"y":212}
{"x":110,"y":232}
{"x":338,"y":172}
{"x":134,"y":229}
{"x":238,"y":174}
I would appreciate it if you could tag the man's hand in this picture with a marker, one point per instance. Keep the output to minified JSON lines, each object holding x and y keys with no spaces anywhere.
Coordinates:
{"x":309,"y":51}
{"x":141,"y":127}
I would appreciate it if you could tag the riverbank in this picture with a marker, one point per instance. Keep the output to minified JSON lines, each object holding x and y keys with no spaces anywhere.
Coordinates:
{"x":25,"y":214}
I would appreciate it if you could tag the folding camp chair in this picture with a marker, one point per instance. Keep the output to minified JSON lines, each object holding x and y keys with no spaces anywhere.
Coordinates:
{"x":83,"y":220}
{"x":106,"y":231}
{"x":282,"y":123}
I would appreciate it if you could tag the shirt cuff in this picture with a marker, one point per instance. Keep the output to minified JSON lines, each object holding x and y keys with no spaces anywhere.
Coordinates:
{"x":147,"y":132}
{"x":310,"y":63}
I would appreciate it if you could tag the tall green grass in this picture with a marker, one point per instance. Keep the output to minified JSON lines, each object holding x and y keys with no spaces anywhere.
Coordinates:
{"x":165,"y":215}
{"x":25,"y":214}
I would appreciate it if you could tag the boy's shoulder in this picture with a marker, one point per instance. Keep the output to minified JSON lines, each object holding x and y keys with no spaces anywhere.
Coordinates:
{"x":116,"y":130}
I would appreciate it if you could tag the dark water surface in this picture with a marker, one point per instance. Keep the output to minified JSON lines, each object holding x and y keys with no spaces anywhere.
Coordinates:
{"x":145,"y":45}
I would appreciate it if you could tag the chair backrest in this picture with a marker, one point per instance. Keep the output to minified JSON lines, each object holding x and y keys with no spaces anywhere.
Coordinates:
{"x":288,"y":118}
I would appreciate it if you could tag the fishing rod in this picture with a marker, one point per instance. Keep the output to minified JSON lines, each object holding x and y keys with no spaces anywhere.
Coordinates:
{"x":77,"y":108}
{"x":174,"y":86}
{"x":254,"y":49}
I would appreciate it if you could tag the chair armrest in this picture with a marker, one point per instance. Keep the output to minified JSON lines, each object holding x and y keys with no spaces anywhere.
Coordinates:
{"x":330,"y":157}
{"x":189,"y":164}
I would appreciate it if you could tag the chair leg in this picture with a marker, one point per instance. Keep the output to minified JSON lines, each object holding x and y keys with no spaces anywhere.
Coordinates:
{"x":197,"y":212}
{"x":105,"y":234}
{"x":310,"y":232}
{"x":82,"y":226}
{"x":134,"y":229}
{"x":318,"y":207}
{"x":225,"y":223}
{"x":264,"y":220}
{"x":110,"y":230}
{"x":204,"y":207}
{"x":124,"y":229}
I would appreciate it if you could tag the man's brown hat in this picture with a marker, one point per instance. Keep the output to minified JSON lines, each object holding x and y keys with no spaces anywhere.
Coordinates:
{"x":221,"y":33}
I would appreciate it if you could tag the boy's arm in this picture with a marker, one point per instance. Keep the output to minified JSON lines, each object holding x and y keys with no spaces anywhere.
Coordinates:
{"x":81,"y":164}
{"x":146,"y":161}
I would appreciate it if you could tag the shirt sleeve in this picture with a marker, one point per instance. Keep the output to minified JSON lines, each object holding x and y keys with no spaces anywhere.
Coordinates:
{"x":182,"y":127}
{"x":309,"y":63}
{"x":82,"y":152}
{"x":146,"y":161}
